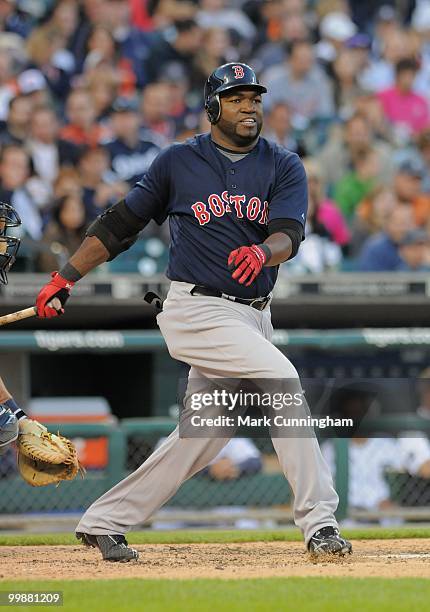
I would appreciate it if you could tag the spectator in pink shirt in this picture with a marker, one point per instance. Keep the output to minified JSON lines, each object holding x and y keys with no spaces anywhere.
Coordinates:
{"x":407,"y":110}
{"x":326,"y":212}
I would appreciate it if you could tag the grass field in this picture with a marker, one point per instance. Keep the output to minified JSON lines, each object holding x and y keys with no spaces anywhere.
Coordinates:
{"x":261,"y":595}
{"x":323,"y":592}
{"x":218,"y":536}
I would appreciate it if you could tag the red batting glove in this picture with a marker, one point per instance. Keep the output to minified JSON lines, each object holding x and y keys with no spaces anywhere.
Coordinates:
{"x":247,"y":263}
{"x":59,"y":288}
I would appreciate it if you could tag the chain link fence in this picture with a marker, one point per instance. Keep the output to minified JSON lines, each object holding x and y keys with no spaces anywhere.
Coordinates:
{"x":376,"y":478}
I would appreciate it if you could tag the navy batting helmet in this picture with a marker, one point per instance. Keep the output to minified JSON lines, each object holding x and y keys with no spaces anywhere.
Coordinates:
{"x":223,"y":78}
{"x":8,"y":244}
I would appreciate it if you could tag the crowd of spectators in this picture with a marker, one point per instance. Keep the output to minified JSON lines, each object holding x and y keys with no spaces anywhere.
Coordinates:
{"x":91,"y":90}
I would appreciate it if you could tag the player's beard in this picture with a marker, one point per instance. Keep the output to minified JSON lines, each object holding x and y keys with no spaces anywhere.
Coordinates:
{"x":244,"y":139}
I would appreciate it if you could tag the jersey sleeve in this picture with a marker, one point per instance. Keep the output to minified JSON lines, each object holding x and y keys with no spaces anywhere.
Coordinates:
{"x":289,"y":198}
{"x":150,"y":196}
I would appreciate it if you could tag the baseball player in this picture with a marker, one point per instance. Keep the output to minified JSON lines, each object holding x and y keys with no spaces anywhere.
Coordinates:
{"x":10,"y":413}
{"x":236,"y":205}
{"x":43,"y":458}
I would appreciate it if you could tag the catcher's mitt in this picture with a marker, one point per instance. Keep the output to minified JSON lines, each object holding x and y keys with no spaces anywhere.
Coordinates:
{"x":45,"y":458}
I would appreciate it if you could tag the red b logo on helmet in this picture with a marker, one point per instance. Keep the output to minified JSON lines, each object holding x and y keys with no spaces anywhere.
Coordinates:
{"x":238,"y":72}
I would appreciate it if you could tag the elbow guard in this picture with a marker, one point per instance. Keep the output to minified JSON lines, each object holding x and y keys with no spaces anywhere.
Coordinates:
{"x":294,"y":229}
{"x":117,"y":228}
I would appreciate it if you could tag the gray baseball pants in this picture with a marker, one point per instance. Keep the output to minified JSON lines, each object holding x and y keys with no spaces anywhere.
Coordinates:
{"x":217,"y":338}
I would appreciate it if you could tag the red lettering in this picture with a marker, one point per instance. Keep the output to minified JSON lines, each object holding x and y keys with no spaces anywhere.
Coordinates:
{"x":253,"y":208}
{"x":226,"y":199}
{"x":201,"y":213}
{"x":237,"y":200}
{"x":216,"y":205}
{"x":238,"y":72}
{"x":264,"y":214}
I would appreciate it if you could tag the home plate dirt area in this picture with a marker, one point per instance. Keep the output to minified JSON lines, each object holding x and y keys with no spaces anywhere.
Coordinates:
{"x":371,"y":558}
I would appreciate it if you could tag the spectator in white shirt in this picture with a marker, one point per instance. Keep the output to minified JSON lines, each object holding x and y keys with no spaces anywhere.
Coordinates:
{"x":47,"y":150}
{"x":15,"y":172}
{"x":368,"y":460}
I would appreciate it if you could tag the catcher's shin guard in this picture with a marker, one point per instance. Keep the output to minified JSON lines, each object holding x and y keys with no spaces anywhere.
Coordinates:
{"x":112,"y":547}
{"x":8,"y":428}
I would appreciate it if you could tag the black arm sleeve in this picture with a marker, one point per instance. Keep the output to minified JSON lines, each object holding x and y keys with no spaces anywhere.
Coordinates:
{"x":117,"y":228}
{"x":293,"y":228}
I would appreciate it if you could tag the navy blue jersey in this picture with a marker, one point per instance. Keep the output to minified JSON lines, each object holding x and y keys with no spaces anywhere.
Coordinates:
{"x":130,"y":163}
{"x":215,"y":206}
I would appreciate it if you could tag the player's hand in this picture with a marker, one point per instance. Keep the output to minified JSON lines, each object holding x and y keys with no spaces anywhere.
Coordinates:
{"x":224,"y":469}
{"x":31,"y":426}
{"x":53,"y":296}
{"x":247,"y":263}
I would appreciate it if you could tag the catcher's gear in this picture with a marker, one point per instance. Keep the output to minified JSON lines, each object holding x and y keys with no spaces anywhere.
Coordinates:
{"x":247,"y":262}
{"x":223,"y":78}
{"x":8,"y":217}
{"x":59,"y":287}
{"x":45,"y":458}
{"x":8,"y":244}
{"x":8,"y":427}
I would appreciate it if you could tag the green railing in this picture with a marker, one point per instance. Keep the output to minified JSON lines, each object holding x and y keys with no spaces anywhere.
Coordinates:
{"x":120,"y":341}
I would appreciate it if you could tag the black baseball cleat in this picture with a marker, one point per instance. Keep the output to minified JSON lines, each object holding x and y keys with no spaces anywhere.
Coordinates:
{"x":112,"y":547}
{"x":329,"y":541}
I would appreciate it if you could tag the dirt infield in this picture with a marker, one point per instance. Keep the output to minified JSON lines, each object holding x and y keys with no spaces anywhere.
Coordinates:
{"x":381,"y":558}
